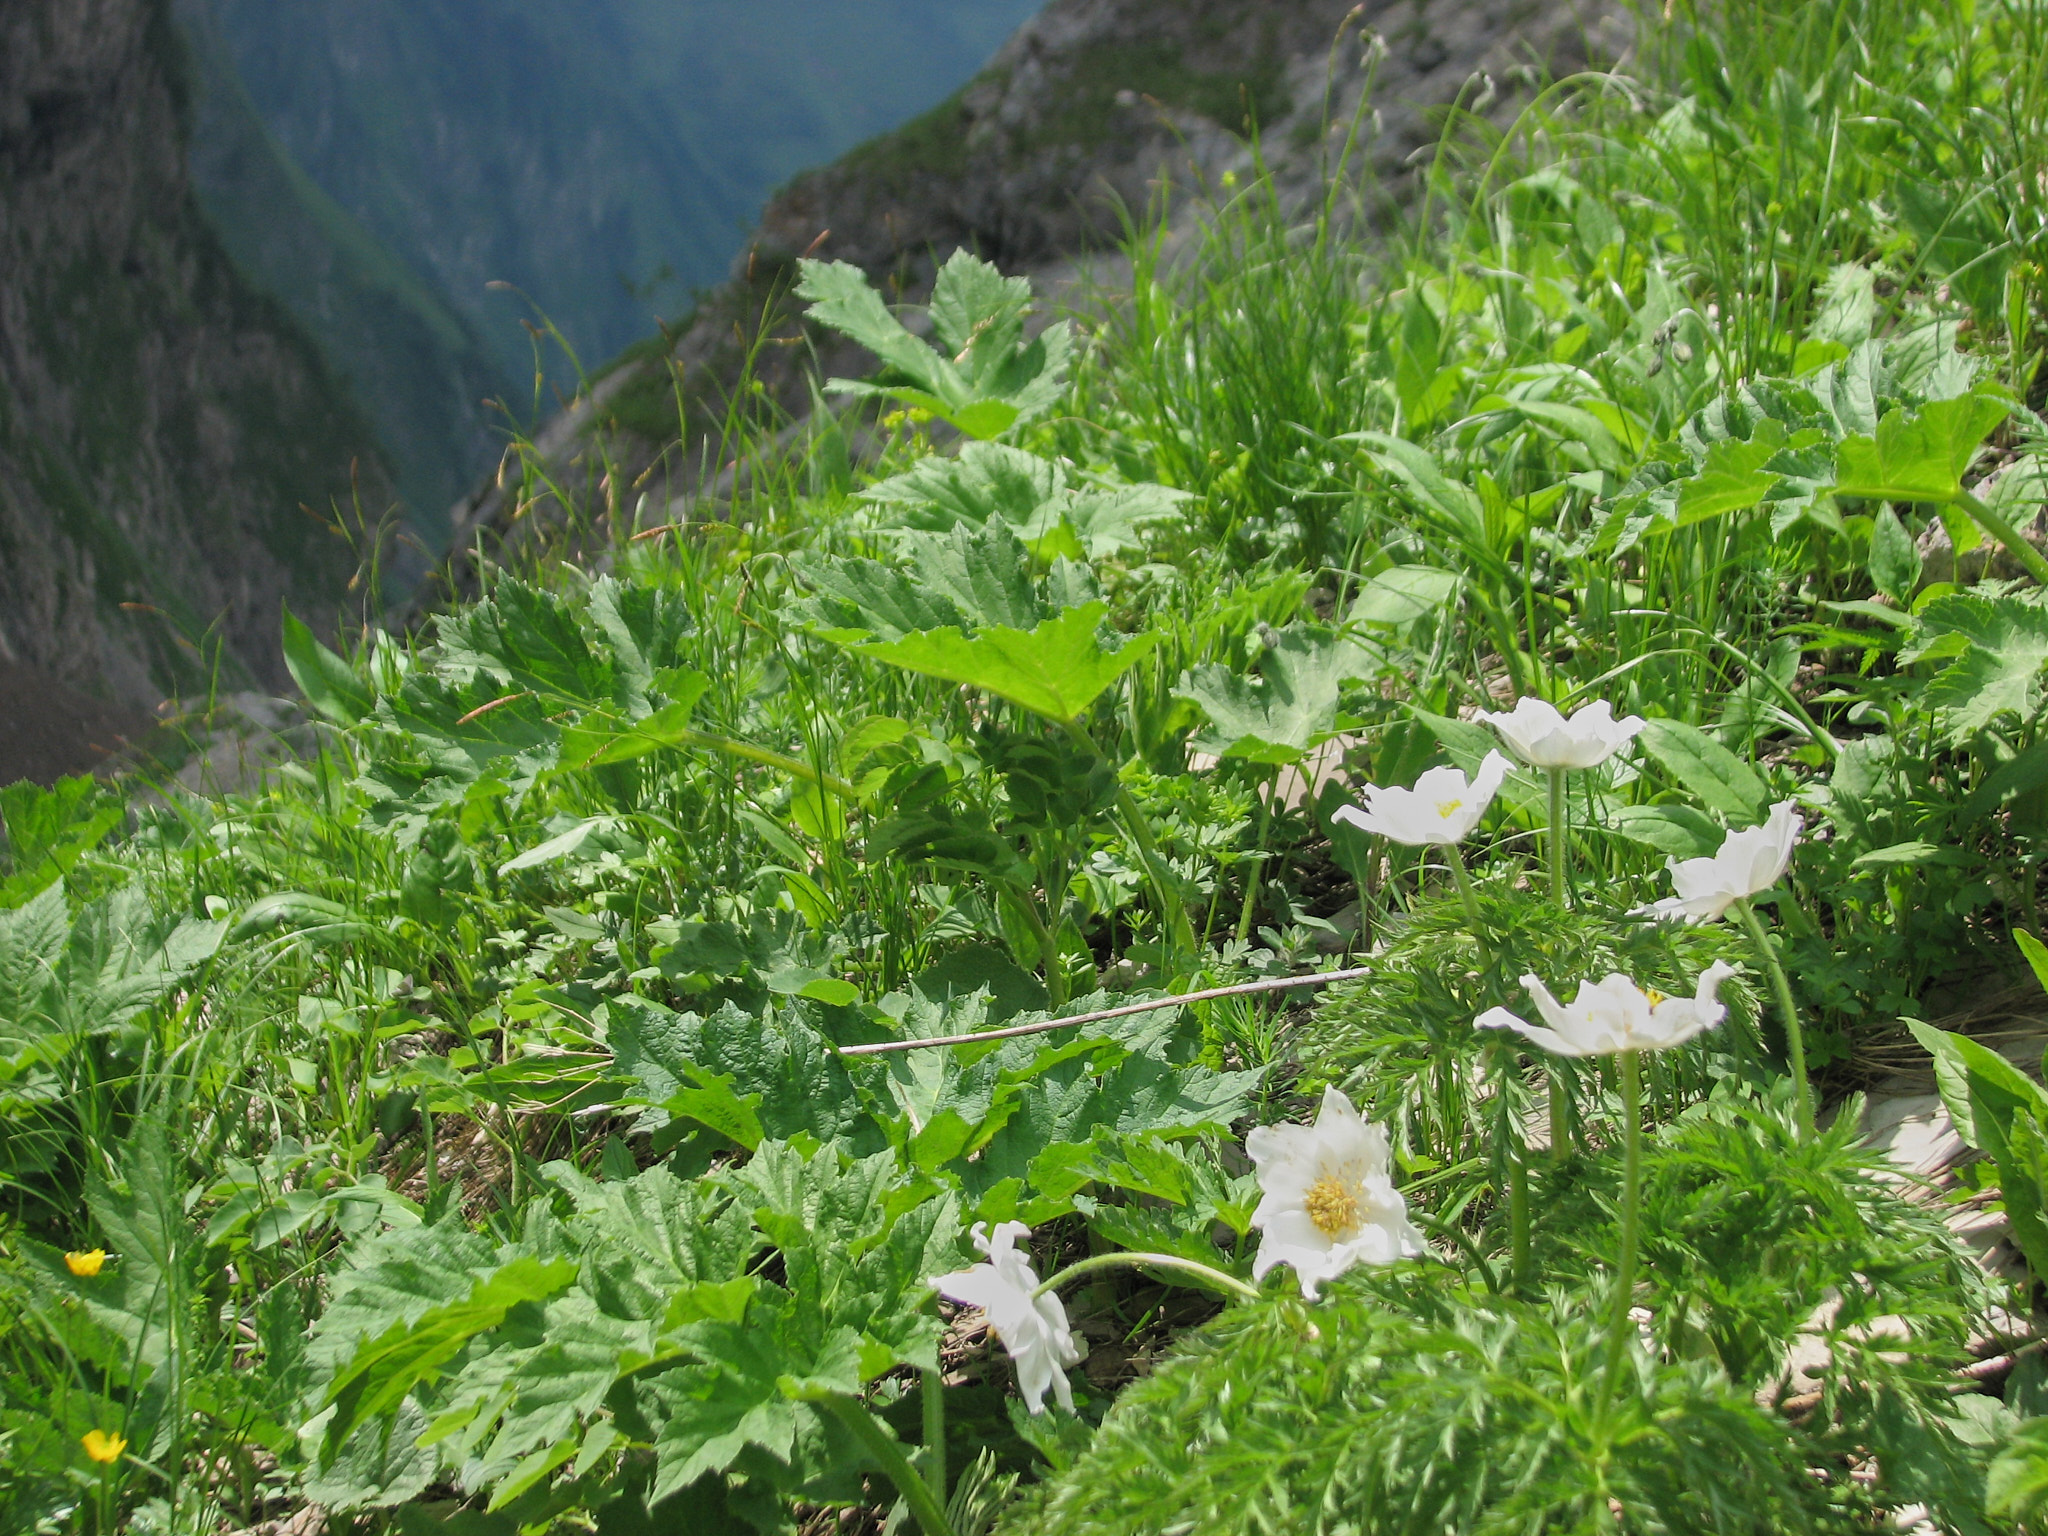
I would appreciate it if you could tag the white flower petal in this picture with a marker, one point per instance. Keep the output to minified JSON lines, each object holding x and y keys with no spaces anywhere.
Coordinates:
{"x":1033,"y":1329}
{"x":1341,"y":1160}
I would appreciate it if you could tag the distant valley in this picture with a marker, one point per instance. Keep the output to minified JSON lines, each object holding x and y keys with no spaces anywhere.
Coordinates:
{"x":377,"y":163}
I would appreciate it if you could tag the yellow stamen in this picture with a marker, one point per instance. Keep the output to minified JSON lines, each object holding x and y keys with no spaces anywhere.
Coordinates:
{"x":1449,"y":808}
{"x":1331,"y":1206}
{"x":103,"y":1447}
{"x":85,"y":1265}
{"x":1655,"y":997}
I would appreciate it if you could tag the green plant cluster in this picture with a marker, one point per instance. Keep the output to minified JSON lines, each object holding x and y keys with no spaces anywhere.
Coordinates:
{"x":527,"y":1110}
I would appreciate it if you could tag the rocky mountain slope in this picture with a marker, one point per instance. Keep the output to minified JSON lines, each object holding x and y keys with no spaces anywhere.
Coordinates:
{"x":161,"y":424}
{"x":1092,"y":109}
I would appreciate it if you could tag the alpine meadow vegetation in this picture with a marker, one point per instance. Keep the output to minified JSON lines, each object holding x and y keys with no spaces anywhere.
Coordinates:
{"x":1595,"y":609}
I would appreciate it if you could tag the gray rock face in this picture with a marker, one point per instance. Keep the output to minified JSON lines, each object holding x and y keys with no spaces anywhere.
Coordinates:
{"x":1091,"y":112}
{"x":161,"y":425}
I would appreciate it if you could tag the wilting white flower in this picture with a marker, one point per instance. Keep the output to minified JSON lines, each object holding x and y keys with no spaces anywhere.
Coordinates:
{"x":1443,"y":807}
{"x":1749,"y":861}
{"x":1327,"y":1201}
{"x":1032,"y":1328}
{"x":1615,"y":1015}
{"x":1543,"y":738}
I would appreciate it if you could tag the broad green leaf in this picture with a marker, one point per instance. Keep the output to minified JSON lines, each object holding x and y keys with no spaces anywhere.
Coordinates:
{"x":1404,"y":594}
{"x":1919,"y":457}
{"x":1678,"y":830}
{"x":329,"y":683}
{"x":1908,"y":853}
{"x":1894,"y":559}
{"x":296,"y":911}
{"x":595,"y":743}
{"x":1288,"y":708}
{"x":784,"y":1072}
{"x":384,"y":1370}
{"x":1733,"y":479}
{"x":50,"y":830}
{"x":561,"y":846}
{"x":857,"y":599}
{"x":2036,"y":953}
{"x":1056,"y":670}
{"x":1713,"y":775}
{"x":983,"y":481}
{"x":2016,"y":1484}
{"x":977,"y":313}
{"x":712,"y":1102}
{"x":985,"y":573}
{"x":2023,"y":1183}
{"x":1998,"y":671}
{"x":841,"y":297}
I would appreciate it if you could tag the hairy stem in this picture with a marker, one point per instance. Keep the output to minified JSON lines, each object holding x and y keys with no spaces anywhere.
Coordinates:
{"x":1121,"y":1260}
{"x":1795,"y":1039}
{"x":1557,"y":835}
{"x":1631,"y":1199}
{"x":935,"y":1434}
{"x":878,"y":1443}
{"x":1251,"y":880}
{"x":1456,"y":859}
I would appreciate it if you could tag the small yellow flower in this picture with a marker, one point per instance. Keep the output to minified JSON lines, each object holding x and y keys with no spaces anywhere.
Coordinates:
{"x":86,"y":1265}
{"x":101,"y":1446}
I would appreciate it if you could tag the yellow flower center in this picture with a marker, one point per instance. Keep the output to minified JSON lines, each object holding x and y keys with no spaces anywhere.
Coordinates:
{"x":1655,"y":997}
{"x":101,"y":1446}
{"x":1449,"y":808}
{"x":85,"y":1265}
{"x":1331,"y":1206}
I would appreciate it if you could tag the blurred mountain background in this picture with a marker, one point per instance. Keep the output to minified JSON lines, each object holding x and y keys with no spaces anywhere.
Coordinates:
{"x":379,"y":164}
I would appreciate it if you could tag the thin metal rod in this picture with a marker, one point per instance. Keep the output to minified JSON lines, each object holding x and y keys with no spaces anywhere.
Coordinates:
{"x":1242,"y":989}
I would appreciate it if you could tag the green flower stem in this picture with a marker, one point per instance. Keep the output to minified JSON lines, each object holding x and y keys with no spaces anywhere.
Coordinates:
{"x":1251,"y":881}
{"x":1517,"y":1152}
{"x":2006,"y":534}
{"x":1795,"y":1039}
{"x":1471,"y":897}
{"x":1557,"y":834}
{"x":878,"y":1443}
{"x":795,"y":767}
{"x":1121,"y":1260}
{"x":935,"y":1434}
{"x":1631,"y":1200}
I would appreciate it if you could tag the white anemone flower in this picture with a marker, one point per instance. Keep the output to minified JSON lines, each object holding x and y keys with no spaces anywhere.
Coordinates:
{"x":1544,"y":738}
{"x":1327,"y":1200}
{"x":1616,"y":1015}
{"x":1032,"y":1328}
{"x":1750,"y":861}
{"x":1443,"y":807}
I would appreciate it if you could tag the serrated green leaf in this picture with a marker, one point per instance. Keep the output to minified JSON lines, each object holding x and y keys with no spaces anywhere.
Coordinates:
{"x":2000,"y":670}
{"x":1732,"y":479}
{"x":984,"y":573}
{"x":597,"y":742}
{"x":383,"y":1371}
{"x":1056,"y":670}
{"x":840,"y":296}
{"x":1291,"y":707}
{"x":859,"y":598}
{"x":1918,"y":456}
